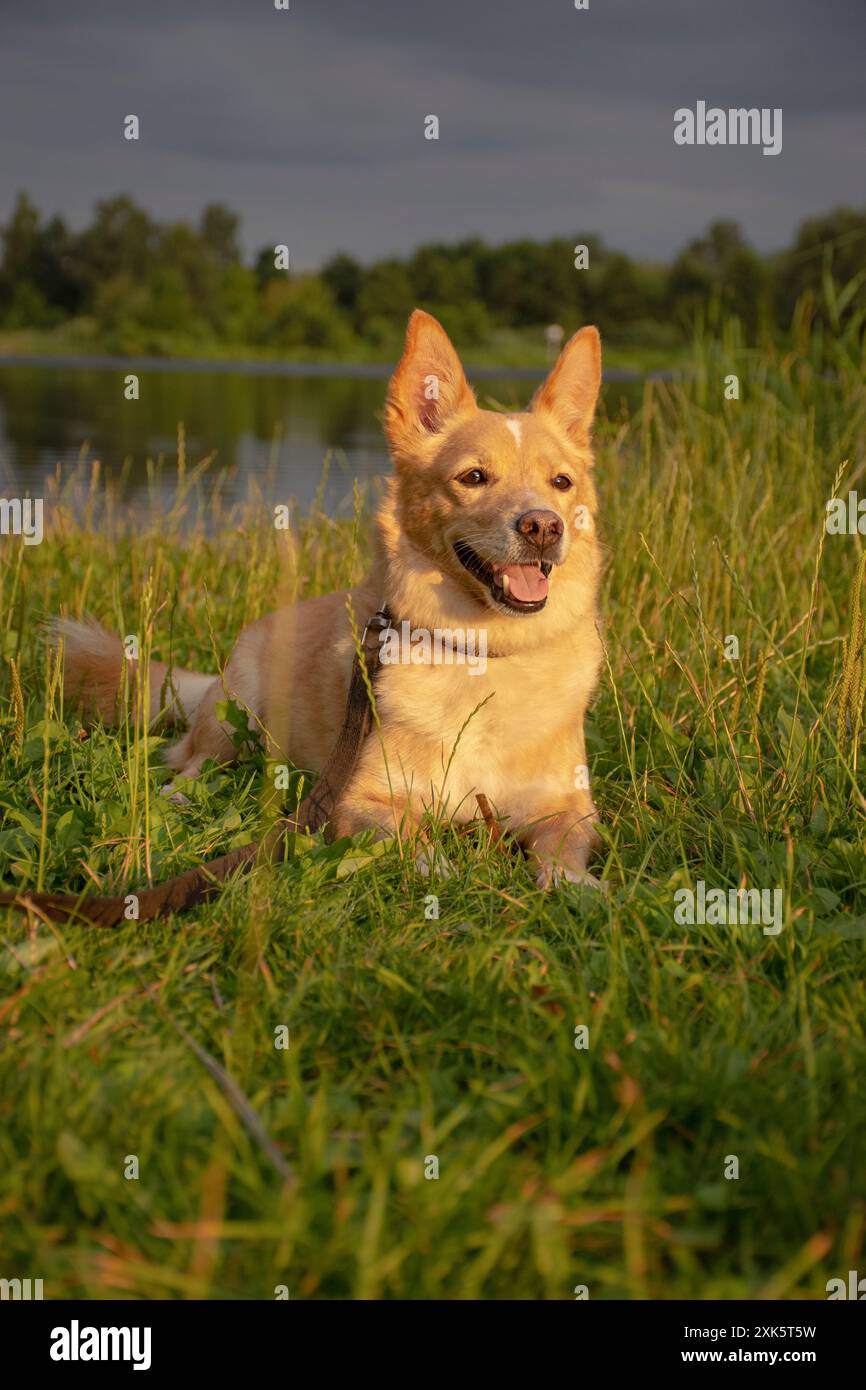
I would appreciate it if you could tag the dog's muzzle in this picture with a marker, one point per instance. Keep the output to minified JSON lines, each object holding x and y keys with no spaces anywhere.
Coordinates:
{"x":518,"y":588}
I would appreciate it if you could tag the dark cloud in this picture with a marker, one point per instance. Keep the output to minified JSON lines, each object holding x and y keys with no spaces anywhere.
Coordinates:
{"x":310,"y":122}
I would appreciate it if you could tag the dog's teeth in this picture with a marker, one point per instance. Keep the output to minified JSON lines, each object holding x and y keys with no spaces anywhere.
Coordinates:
{"x":506,"y":583}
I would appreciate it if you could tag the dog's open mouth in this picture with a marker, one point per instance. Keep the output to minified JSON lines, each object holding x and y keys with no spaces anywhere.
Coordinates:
{"x":522,"y":588}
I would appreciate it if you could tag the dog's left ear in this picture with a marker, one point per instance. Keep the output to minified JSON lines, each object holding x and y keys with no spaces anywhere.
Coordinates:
{"x":427,"y":389}
{"x":571,"y":391}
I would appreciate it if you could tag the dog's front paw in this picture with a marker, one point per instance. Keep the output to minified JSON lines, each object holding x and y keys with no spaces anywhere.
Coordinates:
{"x":551,"y":875}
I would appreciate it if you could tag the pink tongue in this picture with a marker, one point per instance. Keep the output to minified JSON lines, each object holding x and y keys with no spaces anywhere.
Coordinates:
{"x":526,"y":583}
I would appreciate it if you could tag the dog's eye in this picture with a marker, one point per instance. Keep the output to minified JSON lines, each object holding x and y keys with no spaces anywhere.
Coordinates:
{"x":562,"y":483}
{"x":476,"y":477}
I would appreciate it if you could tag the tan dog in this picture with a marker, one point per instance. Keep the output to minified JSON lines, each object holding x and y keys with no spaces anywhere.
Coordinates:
{"x":486,"y":539}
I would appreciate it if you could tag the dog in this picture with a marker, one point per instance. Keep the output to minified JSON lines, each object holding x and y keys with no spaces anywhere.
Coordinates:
{"x":487,"y":526}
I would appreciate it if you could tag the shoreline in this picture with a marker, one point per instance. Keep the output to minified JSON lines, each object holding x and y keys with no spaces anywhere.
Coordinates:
{"x":258,"y":367}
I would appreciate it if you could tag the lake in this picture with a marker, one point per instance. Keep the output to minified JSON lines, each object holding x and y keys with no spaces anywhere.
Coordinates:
{"x":268,"y":424}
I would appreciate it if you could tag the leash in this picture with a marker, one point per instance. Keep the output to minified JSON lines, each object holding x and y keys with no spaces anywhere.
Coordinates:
{"x":313,"y":813}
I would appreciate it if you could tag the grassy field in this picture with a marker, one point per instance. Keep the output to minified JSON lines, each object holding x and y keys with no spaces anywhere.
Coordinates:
{"x":412,"y":1036}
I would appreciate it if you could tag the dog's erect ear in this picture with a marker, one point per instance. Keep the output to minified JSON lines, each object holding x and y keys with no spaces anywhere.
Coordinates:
{"x":571,"y":391}
{"x":427,"y":388}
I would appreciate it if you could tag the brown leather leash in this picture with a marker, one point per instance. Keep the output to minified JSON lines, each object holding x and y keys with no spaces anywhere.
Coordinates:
{"x":312,"y":814}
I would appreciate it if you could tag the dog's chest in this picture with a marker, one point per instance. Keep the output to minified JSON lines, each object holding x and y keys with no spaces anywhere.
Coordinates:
{"x":502,"y":729}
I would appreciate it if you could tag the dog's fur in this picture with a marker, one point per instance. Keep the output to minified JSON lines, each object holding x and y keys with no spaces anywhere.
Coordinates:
{"x":291,"y":669}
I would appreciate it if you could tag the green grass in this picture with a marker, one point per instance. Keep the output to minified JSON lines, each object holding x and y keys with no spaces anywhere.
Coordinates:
{"x":413,"y":1036}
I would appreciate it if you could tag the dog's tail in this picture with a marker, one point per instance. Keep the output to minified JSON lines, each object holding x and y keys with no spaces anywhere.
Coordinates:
{"x":93,"y":674}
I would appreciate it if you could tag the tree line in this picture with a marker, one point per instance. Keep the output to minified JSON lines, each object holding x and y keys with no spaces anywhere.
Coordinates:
{"x":133,"y":284}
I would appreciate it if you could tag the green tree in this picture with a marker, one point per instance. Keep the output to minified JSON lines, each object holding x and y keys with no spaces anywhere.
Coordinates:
{"x":219,"y":228}
{"x":264,"y":269}
{"x":620,"y":297}
{"x":530,"y":283}
{"x":385,"y":301}
{"x":122,"y":239}
{"x":300,"y":313}
{"x":720,"y":274}
{"x":441,"y":275}
{"x":20,"y":240}
{"x":343,"y":275}
{"x":834,"y":243}
{"x":40,"y":279}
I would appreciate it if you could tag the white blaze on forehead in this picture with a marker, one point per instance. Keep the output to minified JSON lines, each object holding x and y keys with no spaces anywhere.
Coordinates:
{"x":514,"y":426}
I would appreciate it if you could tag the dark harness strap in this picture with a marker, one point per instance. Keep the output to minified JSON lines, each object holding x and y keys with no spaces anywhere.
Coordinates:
{"x":318,"y":807}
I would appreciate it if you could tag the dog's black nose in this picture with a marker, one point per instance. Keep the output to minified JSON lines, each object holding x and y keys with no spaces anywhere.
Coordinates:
{"x":541,"y":528}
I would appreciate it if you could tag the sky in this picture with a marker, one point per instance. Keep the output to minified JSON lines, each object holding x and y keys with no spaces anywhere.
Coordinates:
{"x":310,"y":122}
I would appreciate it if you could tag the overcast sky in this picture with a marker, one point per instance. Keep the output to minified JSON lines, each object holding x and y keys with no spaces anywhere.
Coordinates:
{"x":311,"y":122}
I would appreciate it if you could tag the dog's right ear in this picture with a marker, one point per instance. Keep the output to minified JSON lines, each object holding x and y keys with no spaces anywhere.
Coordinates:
{"x":427,"y":389}
{"x":570,"y":393}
